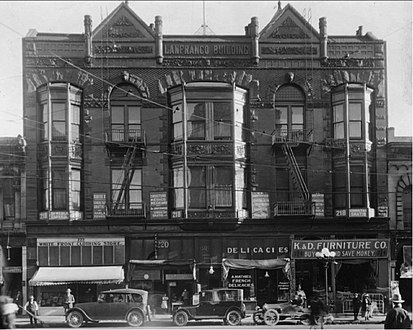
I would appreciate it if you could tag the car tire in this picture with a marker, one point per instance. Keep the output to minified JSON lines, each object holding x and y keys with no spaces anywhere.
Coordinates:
{"x":271,"y":317}
{"x":74,"y":319}
{"x":181,"y":318}
{"x":233,"y":318}
{"x":258,"y":318}
{"x":135,"y":318}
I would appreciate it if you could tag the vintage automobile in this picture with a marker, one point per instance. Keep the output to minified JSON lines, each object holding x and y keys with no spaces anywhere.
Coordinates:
{"x":271,"y":314}
{"x":225,"y":304}
{"x":128,"y":305}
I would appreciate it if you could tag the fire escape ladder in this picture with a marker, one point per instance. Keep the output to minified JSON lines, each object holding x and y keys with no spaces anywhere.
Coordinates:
{"x":295,"y":172}
{"x":128,"y":174}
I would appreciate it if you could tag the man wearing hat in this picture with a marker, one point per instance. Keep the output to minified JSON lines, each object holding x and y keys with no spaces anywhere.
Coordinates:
{"x":397,"y":317}
{"x":69,"y":300}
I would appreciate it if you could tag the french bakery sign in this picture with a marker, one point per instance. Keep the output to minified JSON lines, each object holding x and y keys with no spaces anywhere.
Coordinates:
{"x":344,"y":249}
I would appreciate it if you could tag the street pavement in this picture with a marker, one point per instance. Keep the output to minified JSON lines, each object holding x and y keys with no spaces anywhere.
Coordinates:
{"x":54,"y":321}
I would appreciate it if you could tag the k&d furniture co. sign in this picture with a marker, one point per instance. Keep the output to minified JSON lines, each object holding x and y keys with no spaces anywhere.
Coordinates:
{"x":344,"y":249}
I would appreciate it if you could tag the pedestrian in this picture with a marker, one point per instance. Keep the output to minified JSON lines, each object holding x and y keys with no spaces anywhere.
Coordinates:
{"x":32,"y":308}
{"x":318,"y":311}
{"x":69,"y":300}
{"x":185,"y":297}
{"x":164,"y":303}
{"x":9,"y":310}
{"x":356,"y":306}
{"x":365,"y":306}
{"x":397,"y":317}
{"x":18,"y":300}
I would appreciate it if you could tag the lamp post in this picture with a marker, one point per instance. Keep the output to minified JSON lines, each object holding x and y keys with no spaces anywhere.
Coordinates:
{"x":327,"y":256}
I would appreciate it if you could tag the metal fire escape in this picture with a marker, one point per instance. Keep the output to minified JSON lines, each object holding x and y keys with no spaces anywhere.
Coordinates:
{"x":295,"y":173}
{"x":128,"y":171}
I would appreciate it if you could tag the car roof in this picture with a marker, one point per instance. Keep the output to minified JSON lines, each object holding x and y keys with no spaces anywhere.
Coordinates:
{"x":137,"y":291}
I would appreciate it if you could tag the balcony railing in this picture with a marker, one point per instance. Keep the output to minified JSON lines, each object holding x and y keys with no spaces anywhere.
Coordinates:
{"x":125,"y":136}
{"x":293,"y":136}
{"x":132,"y":210}
{"x":294,"y":208}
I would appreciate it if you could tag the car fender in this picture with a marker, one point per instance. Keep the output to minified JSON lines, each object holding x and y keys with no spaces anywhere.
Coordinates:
{"x":234,"y":309}
{"x":86,"y":316}
{"x":144,"y":313}
{"x":187,"y":311}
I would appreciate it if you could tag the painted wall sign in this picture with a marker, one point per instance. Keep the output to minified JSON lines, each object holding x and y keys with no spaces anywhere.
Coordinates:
{"x":206,"y":49}
{"x":344,"y":249}
{"x":260,"y":205}
{"x":81,"y":241}
{"x":159,"y":205}
{"x":288,"y":50}
{"x":240,"y":281}
{"x":99,"y":205}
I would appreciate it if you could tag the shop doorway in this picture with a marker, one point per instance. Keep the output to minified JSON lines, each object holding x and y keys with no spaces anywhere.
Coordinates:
{"x":356,"y":277}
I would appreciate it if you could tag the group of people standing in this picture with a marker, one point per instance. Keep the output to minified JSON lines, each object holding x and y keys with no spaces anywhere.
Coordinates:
{"x":363,"y":304}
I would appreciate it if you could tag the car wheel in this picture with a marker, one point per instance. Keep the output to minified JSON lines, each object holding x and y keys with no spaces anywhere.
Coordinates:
{"x":74,"y":319}
{"x":305,"y":319}
{"x":258,"y":318}
{"x":135,"y":318}
{"x":181,"y":318}
{"x":233,"y":318}
{"x":271,"y":317}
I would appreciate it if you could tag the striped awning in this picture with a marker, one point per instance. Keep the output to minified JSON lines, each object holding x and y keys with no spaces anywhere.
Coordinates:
{"x":88,"y":275}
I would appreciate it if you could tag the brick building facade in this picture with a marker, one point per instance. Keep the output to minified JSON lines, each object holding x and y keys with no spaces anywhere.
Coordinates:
{"x":158,"y":158}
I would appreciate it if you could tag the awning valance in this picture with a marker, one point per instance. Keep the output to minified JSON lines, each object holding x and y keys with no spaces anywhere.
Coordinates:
{"x":90,"y":275}
{"x":160,"y":263}
{"x":283,"y":264}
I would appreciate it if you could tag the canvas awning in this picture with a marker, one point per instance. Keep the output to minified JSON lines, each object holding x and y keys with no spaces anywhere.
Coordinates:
{"x":90,"y":275}
{"x":283,"y":264}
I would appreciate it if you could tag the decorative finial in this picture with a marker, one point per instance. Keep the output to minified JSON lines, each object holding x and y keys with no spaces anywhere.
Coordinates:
{"x":279,"y":5}
{"x":127,"y":2}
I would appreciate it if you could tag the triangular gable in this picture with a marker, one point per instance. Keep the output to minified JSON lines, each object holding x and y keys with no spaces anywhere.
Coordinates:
{"x":288,"y":25}
{"x":123,"y":24}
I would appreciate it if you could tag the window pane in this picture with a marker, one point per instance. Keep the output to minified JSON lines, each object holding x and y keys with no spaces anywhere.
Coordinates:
{"x":196,"y":111}
{"x":45,"y":119}
{"x":59,"y":199}
{"x":354,"y":111}
{"x":178,"y":132}
{"x":197,"y":198}
{"x":178,"y":177}
{"x":297,"y":115}
{"x":58,"y":129}
{"x":222,"y":111}
{"x":196,"y":177}
{"x":179,"y":198}
{"x":134,"y":115}
{"x":338,"y":113}
{"x":339,"y":131}
{"x":177,"y":113}
{"x":75,"y":114}
{"x":59,"y":111}
{"x":355,"y":130}
{"x":59,"y":179}
{"x":196,"y":120}
{"x":118,"y":115}
{"x":196,"y":130}
{"x":283,"y":112}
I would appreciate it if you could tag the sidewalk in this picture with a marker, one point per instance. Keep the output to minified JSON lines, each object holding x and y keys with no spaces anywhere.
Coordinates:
{"x":54,"y":321}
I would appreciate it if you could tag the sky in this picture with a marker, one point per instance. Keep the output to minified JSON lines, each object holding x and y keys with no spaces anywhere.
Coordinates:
{"x":387,"y":20}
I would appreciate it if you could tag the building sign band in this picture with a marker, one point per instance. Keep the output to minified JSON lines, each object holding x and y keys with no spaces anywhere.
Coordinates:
{"x":203,"y":49}
{"x":344,"y":249}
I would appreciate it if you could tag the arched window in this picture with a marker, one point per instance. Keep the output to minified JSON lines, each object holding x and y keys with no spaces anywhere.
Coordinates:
{"x":125,"y":106}
{"x":289,"y":106}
